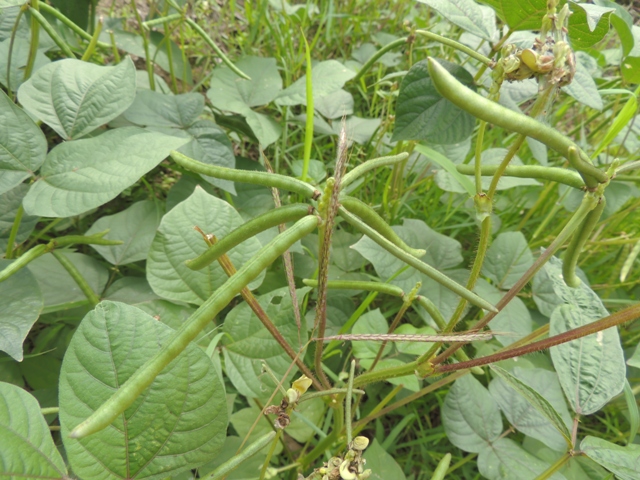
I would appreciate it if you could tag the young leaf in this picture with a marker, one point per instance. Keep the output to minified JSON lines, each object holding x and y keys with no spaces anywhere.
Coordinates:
{"x":20,"y":305}
{"x":515,"y":397}
{"x":471,"y":416}
{"x":623,"y":461}
{"x":26,"y":446}
{"x":185,"y":403}
{"x":75,"y":97}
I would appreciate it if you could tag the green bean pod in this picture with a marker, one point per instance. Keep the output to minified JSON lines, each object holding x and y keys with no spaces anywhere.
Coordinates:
{"x":478,"y":106}
{"x":22,"y":261}
{"x":357,"y":285}
{"x":580,"y":237}
{"x":412,"y":261}
{"x":441,"y":469}
{"x":272,"y":180}
{"x":370,"y":165}
{"x":369,"y":216}
{"x":555,"y":174}
{"x":235,"y":461}
{"x":144,"y":376}
{"x":272,"y":218}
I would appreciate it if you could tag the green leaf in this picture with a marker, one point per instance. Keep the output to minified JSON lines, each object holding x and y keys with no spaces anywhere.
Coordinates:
{"x":423,"y":114}
{"x":247,"y":343}
{"x":265,"y":128}
{"x":59,"y":290}
{"x":248,"y":469}
{"x":634,"y":360}
{"x":359,"y":130}
{"x":211,"y":145}
{"x":84,"y":174}
{"x":154,"y":109}
{"x":583,"y":88}
{"x":533,"y":402}
{"x":588,"y":24}
{"x":327,"y":77}
{"x":508,"y":258}
{"x":9,"y":204}
{"x":471,"y":416}
{"x":521,"y":14}
{"x":334,"y":105}
{"x":634,"y":413}
{"x":20,"y":306}
{"x":75,"y":97}
{"x":371,"y":322}
{"x":19,"y":59}
{"x":514,"y":320}
{"x":623,"y":461}
{"x":467,"y":14}
{"x":132,"y":291}
{"x":383,"y":466}
{"x":26,"y":446}
{"x":23,"y":146}
{"x":136,"y":226}
{"x":413,"y":348}
{"x":176,"y":241}
{"x":185,"y":404}
{"x":591,"y":369}
{"x":506,"y":460}
{"x":464,"y":184}
{"x":342,"y":255}
{"x":622,"y":21}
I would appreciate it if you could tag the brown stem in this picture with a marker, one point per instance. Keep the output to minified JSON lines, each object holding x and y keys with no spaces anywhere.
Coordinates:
{"x":623,"y":316}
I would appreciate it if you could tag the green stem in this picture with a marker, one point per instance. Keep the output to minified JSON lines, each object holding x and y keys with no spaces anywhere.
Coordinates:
{"x":331,"y":391}
{"x":347,"y":416}
{"x":477,"y":165}
{"x":308,"y":130}
{"x":376,"y":56}
{"x":14,"y":232}
{"x":149,"y":24}
{"x":267,"y":460}
{"x":92,"y":44}
{"x":33,"y":45}
{"x":554,"y":174}
{"x":325,"y":444}
{"x":548,"y":473}
{"x":46,"y":26}
{"x":513,"y":149}
{"x":363,"y":168}
{"x":144,"y":376}
{"x":457,"y":45}
{"x":22,"y":261}
{"x":145,"y":44}
{"x":93,"y":298}
{"x":75,"y":28}
{"x":49,"y":410}
{"x":237,"y":460}
{"x":357,"y":285}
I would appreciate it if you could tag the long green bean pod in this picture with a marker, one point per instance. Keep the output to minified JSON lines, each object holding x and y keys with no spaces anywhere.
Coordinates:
{"x":555,"y":174}
{"x":235,"y":461}
{"x":272,"y":218}
{"x":412,"y":261}
{"x":272,"y":180}
{"x":22,"y":261}
{"x":369,"y":216}
{"x":370,"y":165}
{"x":46,"y":26}
{"x":574,"y":249}
{"x":478,"y":106}
{"x":441,"y":469}
{"x":144,"y":376}
{"x":356,"y":285}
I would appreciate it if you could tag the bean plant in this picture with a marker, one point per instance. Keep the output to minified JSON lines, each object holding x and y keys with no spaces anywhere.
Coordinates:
{"x":186,"y":293}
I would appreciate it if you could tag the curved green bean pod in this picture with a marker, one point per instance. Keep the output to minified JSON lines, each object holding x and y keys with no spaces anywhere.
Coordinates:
{"x":272,"y":180}
{"x":574,"y":249}
{"x":356,"y":285}
{"x":46,"y":26}
{"x":555,"y":174}
{"x":369,"y":216}
{"x":441,"y":469}
{"x":22,"y":261}
{"x":235,"y":461}
{"x":591,"y":175}
{"x":412,"y":261}
{"x":251,"y":228}
{"x":144,"y":376}
{"x":370,"y":165}
{"x":478,"y":106}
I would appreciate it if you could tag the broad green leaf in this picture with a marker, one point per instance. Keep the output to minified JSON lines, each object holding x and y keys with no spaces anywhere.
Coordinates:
{"x":507,"y":259}
{"x":464,"y":184}
{"x":413,"y":348}
{"x":84,"y":174}
{"x":185,"y":404}
{"x":471,"y":416}
{"x":313,"y":412}
{"x":520,"y":15}
{"x":176,"y":241}
{"x":634,"y":360}
{"x":20,"y":305}
{"x":248,"y":469}
{"x":370,"y":322}
{"x":342,"y":255}
{"x":265,"y":128}
{"x":19,"y":59}
{"x":23,"y":146}
{"x":383,"y":466}
{"x":583,"y":88}
{"x":75,"y":97}
{"x":623,"y":461}
{"x":327,"y":77}
{"x":26,"y":446}
{"x":506,"y":460}
{"x":588,"y":24}
{"x":9,"y":204}
{"x":154,"y":109}
{"x":409,"y":382}
{"x":211,"y":145}
{"x":58,"y":289}
{"x":131,"y":290}
{"x":514,"y":320}
{"x":334,"y":105}
{"x":468,"y":15}
{"x":591,"y":369}
{"x":622,"y":21}
{"x":533,"y":402}
{"x":136,"y":226}
{"x":423,"y":114}
{"x":248,"y":343}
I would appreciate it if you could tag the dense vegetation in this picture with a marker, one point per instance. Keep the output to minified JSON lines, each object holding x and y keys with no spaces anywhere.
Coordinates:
{"x":324,"y":240}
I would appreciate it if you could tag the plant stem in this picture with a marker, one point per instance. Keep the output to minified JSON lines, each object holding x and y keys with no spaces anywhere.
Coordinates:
{"x":93,"y":298}
{"x":457,"y":45}
{"x":66,"y":21}
{"x":554,"y":174}
{"x":376,"y":56}
{"x":46,"y":26}
{"x":14,"y":232}
{"x":554,"y":468}
{"x":308,"y":131}
{"x":35,"y":39}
